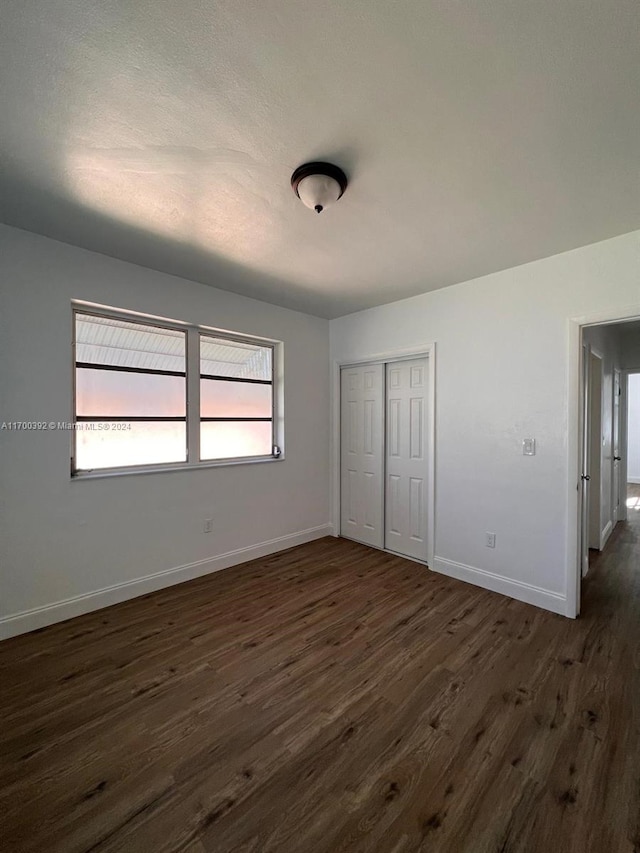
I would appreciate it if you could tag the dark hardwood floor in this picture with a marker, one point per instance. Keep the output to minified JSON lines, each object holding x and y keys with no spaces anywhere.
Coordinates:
{"x":330,"y":698}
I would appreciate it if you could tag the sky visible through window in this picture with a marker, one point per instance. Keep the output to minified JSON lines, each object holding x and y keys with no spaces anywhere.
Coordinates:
{"x":131,"y":395}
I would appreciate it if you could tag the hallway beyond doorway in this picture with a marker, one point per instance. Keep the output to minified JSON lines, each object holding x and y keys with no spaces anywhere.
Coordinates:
{"x":615,"y":566}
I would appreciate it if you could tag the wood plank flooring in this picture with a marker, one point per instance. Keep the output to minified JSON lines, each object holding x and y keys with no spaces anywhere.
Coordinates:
{"x":326,"y":699}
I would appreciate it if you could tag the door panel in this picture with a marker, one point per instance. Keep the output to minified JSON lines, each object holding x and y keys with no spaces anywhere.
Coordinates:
{"x":615,"y":485}
{"x":393,"y":503}
{"x":362,"y":454}
{"x":584,"y":477}
{"x":595,"y":449}
{"x":416,"y":431}
{"x":416,"y":510}
{"x":406,"y":458}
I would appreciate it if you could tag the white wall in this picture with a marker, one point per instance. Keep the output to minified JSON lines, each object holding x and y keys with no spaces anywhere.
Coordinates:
{"x":633,"y":429}
{"x":502,"y":374}
{"x":61,"y":539}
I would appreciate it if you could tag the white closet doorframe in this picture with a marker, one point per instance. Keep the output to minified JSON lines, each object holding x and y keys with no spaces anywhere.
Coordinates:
{"x":427,"y":351}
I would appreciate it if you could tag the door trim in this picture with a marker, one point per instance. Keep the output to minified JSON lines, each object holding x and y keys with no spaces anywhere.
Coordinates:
{"x":427,"y":351}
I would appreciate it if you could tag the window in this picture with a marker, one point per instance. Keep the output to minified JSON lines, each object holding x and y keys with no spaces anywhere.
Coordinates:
{"x":156,"y":394}
{"x":236,"y":399}
{"x":131,"y":406}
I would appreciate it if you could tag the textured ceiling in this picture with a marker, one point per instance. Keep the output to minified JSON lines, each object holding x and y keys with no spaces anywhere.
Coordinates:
{"x":476,"y":136}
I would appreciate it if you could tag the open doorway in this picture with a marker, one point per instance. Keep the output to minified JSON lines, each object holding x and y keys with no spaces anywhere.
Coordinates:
{"x":609,"y":436}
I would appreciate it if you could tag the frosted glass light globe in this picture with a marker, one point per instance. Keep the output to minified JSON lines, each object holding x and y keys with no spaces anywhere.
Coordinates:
{"x":318,"y":192}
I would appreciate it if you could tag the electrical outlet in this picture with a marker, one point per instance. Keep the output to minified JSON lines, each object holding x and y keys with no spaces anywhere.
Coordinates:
{"x":490,"y":540}
{"x":208,"y":525}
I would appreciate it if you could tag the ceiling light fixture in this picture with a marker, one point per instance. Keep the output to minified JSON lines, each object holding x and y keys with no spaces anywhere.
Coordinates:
{"x":318,"y":185}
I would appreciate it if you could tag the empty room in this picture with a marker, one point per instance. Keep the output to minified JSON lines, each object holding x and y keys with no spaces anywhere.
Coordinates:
{"x":319,"y":427}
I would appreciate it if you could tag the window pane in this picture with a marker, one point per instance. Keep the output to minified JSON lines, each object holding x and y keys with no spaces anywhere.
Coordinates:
{"x":221,"y":399}
{"x":108,"y":445}
{"x":230,"y":440}
{"x":114,"y":392}
{"x":220,"y":357}
{"x":102,"y":340}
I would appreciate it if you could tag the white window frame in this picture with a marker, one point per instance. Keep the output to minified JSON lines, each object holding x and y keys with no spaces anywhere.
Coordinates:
{"x":192,"y":391}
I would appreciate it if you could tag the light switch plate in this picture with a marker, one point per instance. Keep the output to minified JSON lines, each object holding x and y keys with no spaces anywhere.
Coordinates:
{"x":529,"y":447}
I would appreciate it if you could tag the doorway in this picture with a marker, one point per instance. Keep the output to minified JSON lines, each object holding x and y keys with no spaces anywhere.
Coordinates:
{"x":385,"y":455}
{"x":608,"y":353}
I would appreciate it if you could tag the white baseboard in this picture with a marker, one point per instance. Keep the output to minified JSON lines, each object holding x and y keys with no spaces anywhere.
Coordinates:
{"x":58,"y":611}
{"x":634,"y":480}
{"x":605,"y":534}
{"x":506,"y":586}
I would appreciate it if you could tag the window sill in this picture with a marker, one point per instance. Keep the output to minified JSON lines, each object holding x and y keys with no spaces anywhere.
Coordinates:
{"x":101,"y":474}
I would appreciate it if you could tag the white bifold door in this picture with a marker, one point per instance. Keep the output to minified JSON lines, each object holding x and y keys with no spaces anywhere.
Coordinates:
{"x":362,"y":454}
{"x":384,"y":456}
{"x":406,"y":459}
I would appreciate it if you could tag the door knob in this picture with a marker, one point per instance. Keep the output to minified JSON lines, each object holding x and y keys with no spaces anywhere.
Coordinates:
{"x":585,"y":477}
{"x":617,"y":458}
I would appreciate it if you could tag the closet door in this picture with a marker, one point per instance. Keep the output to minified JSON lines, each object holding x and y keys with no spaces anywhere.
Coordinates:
{"x":406,"y":458}
{"x":362,"y":454}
